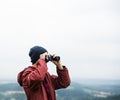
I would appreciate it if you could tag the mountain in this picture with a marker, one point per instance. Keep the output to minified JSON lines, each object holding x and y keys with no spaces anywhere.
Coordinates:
{"x":76,"y":91}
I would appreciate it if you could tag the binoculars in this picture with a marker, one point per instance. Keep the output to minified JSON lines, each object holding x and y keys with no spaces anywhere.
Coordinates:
{"x":51,"y":58}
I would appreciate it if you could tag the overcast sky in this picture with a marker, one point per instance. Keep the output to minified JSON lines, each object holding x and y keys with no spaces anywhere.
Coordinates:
{"x":85,"y":33}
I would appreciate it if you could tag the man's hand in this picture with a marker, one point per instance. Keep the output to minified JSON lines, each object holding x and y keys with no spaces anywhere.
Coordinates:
{"x":57,"y":63}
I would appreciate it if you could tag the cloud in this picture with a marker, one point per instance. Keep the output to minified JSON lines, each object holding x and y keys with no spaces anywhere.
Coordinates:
{"x":84,"y":33}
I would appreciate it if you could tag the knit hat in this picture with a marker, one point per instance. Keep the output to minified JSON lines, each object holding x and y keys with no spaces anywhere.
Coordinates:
{"x":35,"y":53}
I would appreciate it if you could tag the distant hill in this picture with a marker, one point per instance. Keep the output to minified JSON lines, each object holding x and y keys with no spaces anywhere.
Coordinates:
{"x":76,"y":91}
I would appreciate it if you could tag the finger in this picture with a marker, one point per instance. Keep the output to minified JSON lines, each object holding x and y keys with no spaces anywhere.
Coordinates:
{"x":54,"y":55}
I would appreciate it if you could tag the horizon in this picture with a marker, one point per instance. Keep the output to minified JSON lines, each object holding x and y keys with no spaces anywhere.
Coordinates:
{"x":72,"y":79}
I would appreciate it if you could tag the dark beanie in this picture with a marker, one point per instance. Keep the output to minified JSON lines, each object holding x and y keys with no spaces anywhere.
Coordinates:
{"x":35,"y":53}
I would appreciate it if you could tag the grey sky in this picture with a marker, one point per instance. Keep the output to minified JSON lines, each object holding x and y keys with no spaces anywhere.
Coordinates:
{"x":85,"y":33}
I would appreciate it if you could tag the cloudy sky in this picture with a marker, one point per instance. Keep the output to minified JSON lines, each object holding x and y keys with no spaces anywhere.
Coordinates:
{"x":85,"y":33}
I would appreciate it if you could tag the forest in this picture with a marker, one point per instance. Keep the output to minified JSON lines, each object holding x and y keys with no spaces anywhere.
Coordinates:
{"x":76,"y":91}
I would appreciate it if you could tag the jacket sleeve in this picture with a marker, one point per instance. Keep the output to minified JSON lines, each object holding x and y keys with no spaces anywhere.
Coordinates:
{"x":31,"y":77}
{"x":62,"y":80}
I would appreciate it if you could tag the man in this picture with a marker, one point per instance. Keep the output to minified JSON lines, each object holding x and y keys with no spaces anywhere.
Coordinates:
{"x":38,"y":84}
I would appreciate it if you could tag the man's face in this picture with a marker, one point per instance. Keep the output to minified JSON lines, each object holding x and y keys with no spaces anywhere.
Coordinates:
{"x":42,"y":56}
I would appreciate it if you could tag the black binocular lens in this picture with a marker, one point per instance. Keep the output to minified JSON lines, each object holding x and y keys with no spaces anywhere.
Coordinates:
{"x":50,"y":58}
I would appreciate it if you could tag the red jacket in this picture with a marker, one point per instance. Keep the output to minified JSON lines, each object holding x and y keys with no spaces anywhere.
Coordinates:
{"x":33,"y":81}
